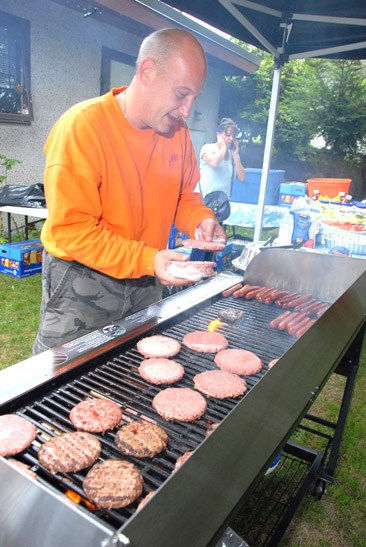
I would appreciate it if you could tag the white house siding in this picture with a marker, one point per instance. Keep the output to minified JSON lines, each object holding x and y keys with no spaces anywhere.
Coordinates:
{"x":66,"y":53}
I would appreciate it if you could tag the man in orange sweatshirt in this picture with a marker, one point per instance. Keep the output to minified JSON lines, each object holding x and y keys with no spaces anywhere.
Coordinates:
{"x":120,"y":169}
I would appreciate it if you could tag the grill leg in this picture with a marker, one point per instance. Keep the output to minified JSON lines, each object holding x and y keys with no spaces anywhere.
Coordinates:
{"x":348,"y":368}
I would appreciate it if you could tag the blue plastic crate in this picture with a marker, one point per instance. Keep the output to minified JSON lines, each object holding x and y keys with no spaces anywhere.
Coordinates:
{"x":224,"y":258}
{"x":176,"y":237}
{"x":21,"y":259}
{"x":289,"y":191}
{"x":247,"y":191}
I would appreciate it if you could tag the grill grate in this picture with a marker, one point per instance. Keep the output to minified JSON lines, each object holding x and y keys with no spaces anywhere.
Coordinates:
{"x":117,"y":379}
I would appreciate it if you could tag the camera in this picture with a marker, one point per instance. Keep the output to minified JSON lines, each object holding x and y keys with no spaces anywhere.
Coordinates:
{"x":231,"y":146}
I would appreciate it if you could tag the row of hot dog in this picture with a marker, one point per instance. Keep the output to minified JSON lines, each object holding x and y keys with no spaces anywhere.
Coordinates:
{"x":302,"y":310}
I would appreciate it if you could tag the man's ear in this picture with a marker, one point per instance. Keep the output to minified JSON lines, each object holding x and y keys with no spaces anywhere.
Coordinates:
{"x":147,"y":71}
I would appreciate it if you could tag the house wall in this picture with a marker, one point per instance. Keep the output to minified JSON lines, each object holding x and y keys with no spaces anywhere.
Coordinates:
{"x":66,"y":53}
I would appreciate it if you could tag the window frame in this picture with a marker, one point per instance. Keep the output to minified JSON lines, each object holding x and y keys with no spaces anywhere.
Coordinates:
{"x":20,"y":28}
{"x":109,"y":55}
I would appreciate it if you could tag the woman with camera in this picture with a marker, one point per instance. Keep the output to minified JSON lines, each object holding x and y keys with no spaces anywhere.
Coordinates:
{"x":220,"y":161}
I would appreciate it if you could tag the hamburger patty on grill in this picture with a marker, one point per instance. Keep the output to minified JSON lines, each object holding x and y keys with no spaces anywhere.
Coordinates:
{"x":96,"y":415}
{"x":205,"y":341}
{"x":69,"y":452}
{"x":219,"y":384}
{"x":141,"y":439}
{"x":160,"y":370}
{"x":238,"y":361}
{"x":179,"y":404}
{"x":158,"y":346}
{"x":113,"y":484}
{"x":16,"y":434}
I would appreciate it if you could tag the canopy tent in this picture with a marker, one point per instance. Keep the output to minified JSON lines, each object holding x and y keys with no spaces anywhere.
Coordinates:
{"x":288,"y":29}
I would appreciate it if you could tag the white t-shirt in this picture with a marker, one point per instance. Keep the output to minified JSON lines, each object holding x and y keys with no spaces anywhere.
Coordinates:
{"x":215,"y":178}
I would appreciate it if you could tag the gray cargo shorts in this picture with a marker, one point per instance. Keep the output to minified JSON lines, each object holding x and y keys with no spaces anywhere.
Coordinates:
{"x":77,"y":300}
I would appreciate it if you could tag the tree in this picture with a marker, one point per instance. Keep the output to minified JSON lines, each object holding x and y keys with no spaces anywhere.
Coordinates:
{"x":337,"y":104}
{"x":318,"y":97}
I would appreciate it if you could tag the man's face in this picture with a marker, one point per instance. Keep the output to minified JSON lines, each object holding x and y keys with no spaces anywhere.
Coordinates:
{"x":172,"y":91}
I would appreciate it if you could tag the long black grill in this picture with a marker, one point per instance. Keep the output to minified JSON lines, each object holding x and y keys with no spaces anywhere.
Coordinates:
{"x":118,"y":379}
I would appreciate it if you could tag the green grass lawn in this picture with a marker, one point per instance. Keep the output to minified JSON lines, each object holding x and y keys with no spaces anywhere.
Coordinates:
{"x":338,"y":520}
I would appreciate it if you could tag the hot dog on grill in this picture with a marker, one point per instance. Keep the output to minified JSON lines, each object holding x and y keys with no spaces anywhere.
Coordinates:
{"x":297,"y":301}
{"x":304,"y":327}
{"x":274,"y":295}
{"x":252,"y":293}
{"x":312,"y":308}
{"x":293,"y":325}
{"x":305,"y":305}
{"x":321,"y":310}
{"x":231,"y":291}
{"x":242,"y":291}
{"x":275,"y":322}
{"x":287,"y":320}
{"x":281,"y":301}
{"x":265,"y":292}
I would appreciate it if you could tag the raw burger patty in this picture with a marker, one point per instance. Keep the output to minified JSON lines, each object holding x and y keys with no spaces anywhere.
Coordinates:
{"x":182,"y":459}
{"x":205,"y":341}
{"x":160,"y":370}
{"x":141,"y":439}
{"x":113,"y":484}
{"x":16,"y":434}
{"x":238,"y":361}
{"x":194,"y":271}
{"x":219,"y":384}
{"x":69,"y":452}
{"x":204,"y":245}
{"x":96,"y":415}
{"x":158,"y":346}
{"x":180,"y":404}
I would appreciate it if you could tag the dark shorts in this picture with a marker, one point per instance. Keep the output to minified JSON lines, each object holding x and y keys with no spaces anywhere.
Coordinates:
{"x":77,"y":300}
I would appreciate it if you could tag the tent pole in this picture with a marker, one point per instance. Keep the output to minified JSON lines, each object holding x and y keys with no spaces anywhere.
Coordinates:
{"x":268,"y":149}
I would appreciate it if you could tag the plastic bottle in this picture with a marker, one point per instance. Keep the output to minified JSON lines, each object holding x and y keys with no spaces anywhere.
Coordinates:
{"x":302,"y":221}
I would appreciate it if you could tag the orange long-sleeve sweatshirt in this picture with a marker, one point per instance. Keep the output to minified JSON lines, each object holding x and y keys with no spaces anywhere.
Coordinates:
{"x":113,"y":191}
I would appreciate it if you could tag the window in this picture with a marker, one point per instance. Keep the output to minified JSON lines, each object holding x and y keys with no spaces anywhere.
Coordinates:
{"x":15,"y":89}
{"x":117,"y":69}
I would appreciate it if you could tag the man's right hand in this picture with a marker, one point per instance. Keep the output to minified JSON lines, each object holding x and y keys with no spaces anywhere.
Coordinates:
{"x":162,"y":260}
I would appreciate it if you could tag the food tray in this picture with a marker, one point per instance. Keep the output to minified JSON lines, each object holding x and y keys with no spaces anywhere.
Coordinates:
{"x":355,"y":243}
{"x":328,"y":229}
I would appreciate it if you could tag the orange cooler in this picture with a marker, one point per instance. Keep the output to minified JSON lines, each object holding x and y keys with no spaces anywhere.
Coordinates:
{"x":328,"y":187}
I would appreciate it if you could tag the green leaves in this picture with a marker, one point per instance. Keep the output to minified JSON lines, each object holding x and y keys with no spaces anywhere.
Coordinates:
{"x":318,"y":97}
{"x":7,"y":164}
